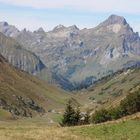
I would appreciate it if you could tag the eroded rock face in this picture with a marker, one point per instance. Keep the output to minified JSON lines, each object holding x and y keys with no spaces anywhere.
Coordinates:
{"x":73,"y":55}
{"x":18,"y":56}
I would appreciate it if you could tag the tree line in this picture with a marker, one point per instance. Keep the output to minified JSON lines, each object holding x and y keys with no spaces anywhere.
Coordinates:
{"x":128,"y":106}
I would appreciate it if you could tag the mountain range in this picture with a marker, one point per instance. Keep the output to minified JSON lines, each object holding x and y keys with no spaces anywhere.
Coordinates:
{"x":70,"y":57}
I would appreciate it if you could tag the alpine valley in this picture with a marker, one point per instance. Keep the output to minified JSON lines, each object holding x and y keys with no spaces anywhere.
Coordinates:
{"x":67,"y":77}
{"x":70,"y":57}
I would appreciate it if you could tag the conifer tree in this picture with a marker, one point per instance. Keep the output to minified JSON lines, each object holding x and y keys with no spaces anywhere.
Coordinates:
{"x":87,"y":118}
{"x":69,"y":114}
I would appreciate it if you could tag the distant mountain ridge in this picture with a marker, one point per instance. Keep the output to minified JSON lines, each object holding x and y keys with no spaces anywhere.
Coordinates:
{"x":77,"y":57}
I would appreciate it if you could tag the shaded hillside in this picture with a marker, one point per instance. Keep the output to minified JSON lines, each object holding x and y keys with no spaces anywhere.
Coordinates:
{"x":24,"y":95}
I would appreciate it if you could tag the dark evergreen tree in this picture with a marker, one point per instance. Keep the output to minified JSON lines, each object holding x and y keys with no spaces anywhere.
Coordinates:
{"x":71,"y":116}
{"x":87,"y":118}
{"x":101,"y":116}
{"x":77,"y":116}
{"x":131,"y":104}
{"x":115,"y":113}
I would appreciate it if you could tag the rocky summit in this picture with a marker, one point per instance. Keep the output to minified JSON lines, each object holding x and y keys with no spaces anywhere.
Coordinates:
{"x":77,"y":57}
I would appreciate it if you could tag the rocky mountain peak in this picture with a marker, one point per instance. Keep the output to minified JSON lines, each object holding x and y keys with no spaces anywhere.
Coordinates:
{"x":114,"y":19}
{"x":24,"y":30}
{"x":73,"y":27}
{"x":4,"y":23}
{"x":40,"y":30}
{"x":8,"y":30}
{"x":59,"y":27}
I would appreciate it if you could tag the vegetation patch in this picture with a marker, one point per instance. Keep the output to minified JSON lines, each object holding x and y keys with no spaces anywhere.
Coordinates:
{"x":127,"y":130}
{"x":128,"y":106}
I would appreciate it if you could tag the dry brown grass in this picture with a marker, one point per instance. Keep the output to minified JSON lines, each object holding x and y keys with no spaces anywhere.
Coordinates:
{"x":34,"y":132}
{"x":27,"y":130}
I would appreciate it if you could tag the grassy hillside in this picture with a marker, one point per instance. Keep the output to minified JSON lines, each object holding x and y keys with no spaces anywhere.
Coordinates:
{"x":124,"y":129}
{"x":25,"y":95}
{"x":5,"y":115}
{"x":110,"y":90}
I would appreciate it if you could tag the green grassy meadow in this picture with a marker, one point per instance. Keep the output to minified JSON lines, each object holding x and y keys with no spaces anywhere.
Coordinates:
{"x":127,"y":130}
{"x":124,"y":129}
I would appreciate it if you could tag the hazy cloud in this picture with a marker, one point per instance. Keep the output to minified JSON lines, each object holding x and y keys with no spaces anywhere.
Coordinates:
{"x":127,"y":6}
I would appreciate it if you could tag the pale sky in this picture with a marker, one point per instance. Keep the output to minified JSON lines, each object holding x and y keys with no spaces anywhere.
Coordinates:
{"x":32,"y":14}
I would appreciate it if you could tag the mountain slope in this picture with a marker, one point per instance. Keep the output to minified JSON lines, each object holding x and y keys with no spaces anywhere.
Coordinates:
{"x":110,"y":90}
{"x":25,"y":95}
{"x":80,"y":57}
{"x":18,"y":56}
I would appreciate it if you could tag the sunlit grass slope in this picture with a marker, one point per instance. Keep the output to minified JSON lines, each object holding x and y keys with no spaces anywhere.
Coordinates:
{"x":110,"y":90}
{"x":15,"y":84}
